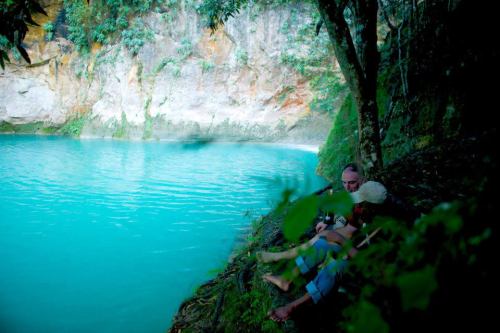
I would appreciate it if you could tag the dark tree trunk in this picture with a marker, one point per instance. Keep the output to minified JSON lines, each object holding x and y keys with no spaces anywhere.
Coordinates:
{"x":359,"y":65}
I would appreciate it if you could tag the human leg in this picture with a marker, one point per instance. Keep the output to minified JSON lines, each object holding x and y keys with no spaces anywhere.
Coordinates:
{"x":282,"y":281}
{"x":316,"y":254}
{"x":322,"y":284}
{"x":283,"y":313}
{"x":312,"y":257}
{"x":267,"y":257}
{"x":326,"y":279}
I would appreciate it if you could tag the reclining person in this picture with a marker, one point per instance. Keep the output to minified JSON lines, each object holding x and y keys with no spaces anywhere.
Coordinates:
{"x":320,"y":250}
{"x":338,"y":233}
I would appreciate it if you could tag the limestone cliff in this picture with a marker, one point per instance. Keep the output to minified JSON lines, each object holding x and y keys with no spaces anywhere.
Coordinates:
{"x":185,"y":82}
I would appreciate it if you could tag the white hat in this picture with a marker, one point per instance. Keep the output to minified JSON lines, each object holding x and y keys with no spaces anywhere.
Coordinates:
{"x":371,"y":191}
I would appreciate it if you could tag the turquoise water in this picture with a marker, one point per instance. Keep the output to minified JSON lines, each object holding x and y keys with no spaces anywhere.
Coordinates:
{"x":111,"y":236}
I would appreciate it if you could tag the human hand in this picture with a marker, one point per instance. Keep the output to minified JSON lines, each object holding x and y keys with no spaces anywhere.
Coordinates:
{"x":320,"y":227}
{"x":352,"y":252}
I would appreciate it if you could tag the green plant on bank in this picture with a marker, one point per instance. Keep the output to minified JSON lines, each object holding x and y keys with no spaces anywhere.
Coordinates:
{"x":402,"y":270}
{"x":185,"y":50}
{"x":29,"y":128}
{"x":257,"y":7}
{"x":282,"y":96}
{"x":340,"y":147}
{"x":175,"y":70}
{"x":148,"y":126}
{"x":249,"y":310}
{"x":38,"y":127}
{"x":171,"y":64}
{"x":241,"y":56}
{"x":106,"y":56}
{"x":327,"y":88}
{"x":78,"y":18}
{"x":148,"y":120}
{"x":400,"y":274}
{"x":139,"y":72}
{"x":311,"y":55}
{"x":121,"y":128}
{"x":82,"y":65}
{"x":103,"y":21}
{"x":308,"y":53}
{"x":74,"y":126}
{"x":49,"y":31}
{"x":6,"y":127}
{"x":206,"y":66}
{"x":80,"y":69}
{"x":49,"y":130}
{"x":136,"y":35}
{"x":420,"y":256}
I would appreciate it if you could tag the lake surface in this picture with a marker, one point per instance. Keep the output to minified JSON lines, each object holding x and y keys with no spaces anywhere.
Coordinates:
{"x":111,"y":236}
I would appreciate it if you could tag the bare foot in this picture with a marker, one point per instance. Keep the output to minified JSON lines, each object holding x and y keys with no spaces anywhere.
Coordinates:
{"x":280,"y":314}
{"x":277,"y":281}
{"x":267,"y":257}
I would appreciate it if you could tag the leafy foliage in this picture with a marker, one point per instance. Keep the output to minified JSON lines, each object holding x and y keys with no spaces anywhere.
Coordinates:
{"x":74,"y":126}
{"x":206,"y":66}
{"x":241,"y":57}
{"x":367,"y":319}
{"x":107,"y":20}
{"x":302,"y":212}
{"x":37,"y":127}
{"x":6,"y":127}
{"x":121,"y":128}
{"x":217,"y":12}
{"x":185,"y":50}
{"x":148,"y":125}
{"x":49,"y":31}
{"x":300,"y":217}
{"x":135,"y":36}
{"x":15,"y":16}
{"x":416,"y":288}
{"x":341,"y":145}
{"x":404,"y":271}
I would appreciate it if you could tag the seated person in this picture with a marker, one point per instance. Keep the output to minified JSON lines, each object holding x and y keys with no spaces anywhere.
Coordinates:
{"x":318,"y":250}
{"x":352,"y":179}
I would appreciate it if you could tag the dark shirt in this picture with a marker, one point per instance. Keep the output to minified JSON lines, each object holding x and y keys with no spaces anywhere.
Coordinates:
{"x":394,"y":207}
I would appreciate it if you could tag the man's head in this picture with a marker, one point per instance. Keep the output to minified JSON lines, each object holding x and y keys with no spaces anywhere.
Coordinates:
{"x":351,"y":177}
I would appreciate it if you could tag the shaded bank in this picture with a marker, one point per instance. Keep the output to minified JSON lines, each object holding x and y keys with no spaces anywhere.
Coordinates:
{"x":237,"y":300}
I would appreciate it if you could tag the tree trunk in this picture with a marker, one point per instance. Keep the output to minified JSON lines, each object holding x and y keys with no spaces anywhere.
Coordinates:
{"x":359,"y":67}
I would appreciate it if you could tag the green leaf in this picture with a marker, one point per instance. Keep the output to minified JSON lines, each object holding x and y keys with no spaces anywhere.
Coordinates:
{"x":37,"y":8}
{"x":4,"y":55}
{"x":29,"y":20}
{"x":300,"y":217}
{"x":416,"y":288}
{"x":480,"y":238}
{"x":24,"y":53}
{"x":446,"y":214}
{"x":367,"y":319}
{"x":339,"y":203}
{"x":285,"y":200}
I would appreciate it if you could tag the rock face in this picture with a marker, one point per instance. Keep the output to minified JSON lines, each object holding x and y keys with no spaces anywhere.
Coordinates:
{"x":183,"y":83}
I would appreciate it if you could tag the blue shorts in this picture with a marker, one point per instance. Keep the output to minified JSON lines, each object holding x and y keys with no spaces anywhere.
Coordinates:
{"x":326,"y":279}
{"x":316,"y":254}
{"x":329,"y":275}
